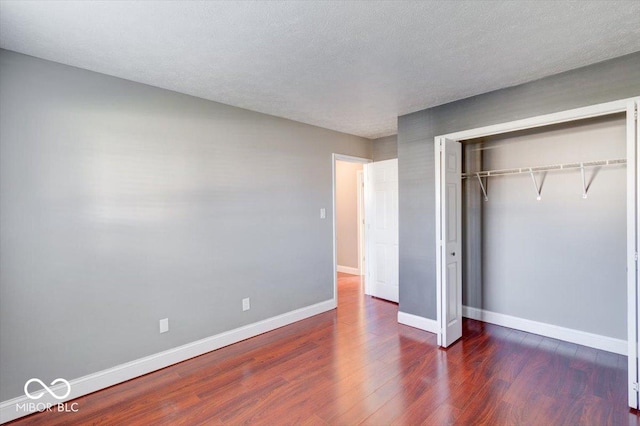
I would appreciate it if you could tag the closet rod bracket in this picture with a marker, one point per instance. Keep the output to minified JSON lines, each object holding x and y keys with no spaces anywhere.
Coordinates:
{"x":535,"y":185}
{"x":584,"y":181}
{"x":484,"y":190}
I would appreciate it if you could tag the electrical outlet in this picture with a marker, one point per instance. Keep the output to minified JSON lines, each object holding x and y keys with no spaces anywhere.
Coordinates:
{"x":164,"y":325}
{"x":246,"y":304}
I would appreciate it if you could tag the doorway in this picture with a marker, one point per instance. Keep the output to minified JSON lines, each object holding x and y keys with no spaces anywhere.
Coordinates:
{"x":348,"y":217}
{"x":378,"y":227}
{"x":348,"y":245}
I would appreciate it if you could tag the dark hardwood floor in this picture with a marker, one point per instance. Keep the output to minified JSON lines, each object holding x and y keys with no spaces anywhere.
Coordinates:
{"x":357,"y":365}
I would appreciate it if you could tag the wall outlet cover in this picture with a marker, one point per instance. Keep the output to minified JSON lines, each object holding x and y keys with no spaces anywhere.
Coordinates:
{"x":164,"y":325}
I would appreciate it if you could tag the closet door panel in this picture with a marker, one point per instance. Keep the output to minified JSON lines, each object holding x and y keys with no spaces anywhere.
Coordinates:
{"x":451,"y":243}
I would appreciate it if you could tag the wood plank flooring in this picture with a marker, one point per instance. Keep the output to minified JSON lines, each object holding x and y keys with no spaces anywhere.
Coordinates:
{"x":357,"y":365}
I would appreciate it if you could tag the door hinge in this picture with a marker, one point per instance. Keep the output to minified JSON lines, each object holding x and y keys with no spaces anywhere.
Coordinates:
{"x":635,"y":256}
{"x":635,"y":386}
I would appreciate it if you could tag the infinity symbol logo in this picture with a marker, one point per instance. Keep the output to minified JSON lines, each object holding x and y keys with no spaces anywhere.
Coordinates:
{"x":46,"y":388}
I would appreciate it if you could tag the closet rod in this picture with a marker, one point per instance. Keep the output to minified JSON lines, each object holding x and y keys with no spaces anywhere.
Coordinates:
{"x":528,"y":170}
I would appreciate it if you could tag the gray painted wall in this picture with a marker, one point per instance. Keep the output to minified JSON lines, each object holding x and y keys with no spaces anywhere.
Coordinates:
{"x":606,"y":81}
{"x":385,"y":148}
{"x":560,"y":260}
{"x":123,"y":204}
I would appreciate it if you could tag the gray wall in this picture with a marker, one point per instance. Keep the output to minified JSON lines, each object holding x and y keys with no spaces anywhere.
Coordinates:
{"x":385,"y":148}
{"x":123,"y":204}
{"x":560,"y":260}
{"x":606,"y":81}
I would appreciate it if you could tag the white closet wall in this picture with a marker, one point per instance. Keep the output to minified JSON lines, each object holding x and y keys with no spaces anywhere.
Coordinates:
{"x":560,"y":260}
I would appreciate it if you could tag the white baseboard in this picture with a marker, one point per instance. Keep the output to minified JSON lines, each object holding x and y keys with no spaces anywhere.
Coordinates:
{"x":348,"y":270}
{"x":591,"y":340}
{"x":422,"y":323}
{"x":109,"y":377}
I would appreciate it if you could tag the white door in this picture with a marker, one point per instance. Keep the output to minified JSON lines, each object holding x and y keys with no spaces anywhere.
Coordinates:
{"x":381,"y":201}
{"x":633,"y":207}
{"x":449,"y":229}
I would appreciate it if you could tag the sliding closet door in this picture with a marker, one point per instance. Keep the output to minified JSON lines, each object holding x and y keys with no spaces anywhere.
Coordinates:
{"x":633,"y":183}
{"x":449,"y":241}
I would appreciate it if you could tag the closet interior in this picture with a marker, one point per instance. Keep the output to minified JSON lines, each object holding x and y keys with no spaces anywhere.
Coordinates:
{"x":544,"y":225}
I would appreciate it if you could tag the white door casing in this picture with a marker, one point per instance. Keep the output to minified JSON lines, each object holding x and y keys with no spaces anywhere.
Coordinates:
{"x":361,"y":230}
{"x":381,"y":201}
{"x":633,"y":207}
{"x":449,"y":245}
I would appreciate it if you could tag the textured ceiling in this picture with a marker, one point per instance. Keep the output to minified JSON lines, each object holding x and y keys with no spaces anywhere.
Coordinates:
{"x":347,"y":66}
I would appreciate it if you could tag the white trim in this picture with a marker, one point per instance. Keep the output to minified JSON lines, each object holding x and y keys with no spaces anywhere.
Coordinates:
{"x":123,"y":372}
{"x":368,"y":207}
{"x":635,"y":307}
{"x":352,"y":159}
{"x":591,"y":340}
{"x":438,"y":171}
{"x":543,"y":120}
{"x":632,"y":248}
{"x":361,"y":233}
{"x":339,"y":157}
{"x":348,"y":270}
{"x":415,"y":321}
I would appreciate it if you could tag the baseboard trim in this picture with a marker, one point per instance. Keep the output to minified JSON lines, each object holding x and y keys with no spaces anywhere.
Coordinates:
{"x":415,"y":321}
{"x":118,"y":374}
{"x":348,"y":270}
{"x":591,"y":340}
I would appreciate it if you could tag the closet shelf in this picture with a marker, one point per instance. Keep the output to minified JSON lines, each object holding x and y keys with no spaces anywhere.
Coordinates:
{"x":529,"y":170}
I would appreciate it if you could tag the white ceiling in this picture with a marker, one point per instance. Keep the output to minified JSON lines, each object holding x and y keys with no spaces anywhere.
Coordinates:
{"x":347,"y":66}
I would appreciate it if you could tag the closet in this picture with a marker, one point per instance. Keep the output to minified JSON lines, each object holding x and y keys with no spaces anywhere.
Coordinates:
{"x":537,"y":228}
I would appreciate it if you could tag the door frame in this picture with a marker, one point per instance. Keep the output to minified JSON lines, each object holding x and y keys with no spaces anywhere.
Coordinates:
{"x":629,"y":106}
{"x":361,"y":230}
{"x":350,"y":159}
